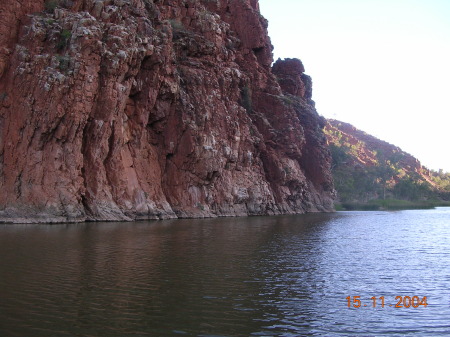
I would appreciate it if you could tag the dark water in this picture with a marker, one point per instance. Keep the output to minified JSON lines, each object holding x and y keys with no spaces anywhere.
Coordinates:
{"x":262,"y":276}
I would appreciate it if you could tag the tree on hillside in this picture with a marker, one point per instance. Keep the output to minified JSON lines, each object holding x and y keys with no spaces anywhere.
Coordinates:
{"x":384,"y":171}
{"x":339,"y":155}
{"x":412,"y":189}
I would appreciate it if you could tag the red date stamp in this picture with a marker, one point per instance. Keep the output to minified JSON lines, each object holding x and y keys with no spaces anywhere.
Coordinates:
{"x":400,"y":302}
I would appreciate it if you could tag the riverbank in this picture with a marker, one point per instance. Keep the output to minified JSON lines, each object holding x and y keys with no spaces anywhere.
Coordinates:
{"x":389,"y":205}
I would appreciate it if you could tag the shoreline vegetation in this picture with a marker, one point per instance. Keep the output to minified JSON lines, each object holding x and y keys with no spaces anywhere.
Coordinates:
{"x":390,"y":205}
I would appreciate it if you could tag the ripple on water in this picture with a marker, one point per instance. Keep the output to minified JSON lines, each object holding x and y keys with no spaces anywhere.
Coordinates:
{"x":262,"y":276}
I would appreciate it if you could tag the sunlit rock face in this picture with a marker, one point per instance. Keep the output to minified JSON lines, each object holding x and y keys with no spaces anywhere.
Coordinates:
{"x":147,"y":109}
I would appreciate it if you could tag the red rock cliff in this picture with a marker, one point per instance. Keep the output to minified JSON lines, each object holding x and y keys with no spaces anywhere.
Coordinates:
{"x":141,"y":109}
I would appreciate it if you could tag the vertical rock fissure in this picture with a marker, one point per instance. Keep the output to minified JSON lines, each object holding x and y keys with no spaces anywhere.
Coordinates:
{"x":85,"y":193}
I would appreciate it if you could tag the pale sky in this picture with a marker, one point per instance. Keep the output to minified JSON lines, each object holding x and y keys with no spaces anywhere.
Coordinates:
{"x":381,"y":65}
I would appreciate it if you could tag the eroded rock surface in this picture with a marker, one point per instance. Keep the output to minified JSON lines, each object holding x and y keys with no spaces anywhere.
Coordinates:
{"x":146,"y":109}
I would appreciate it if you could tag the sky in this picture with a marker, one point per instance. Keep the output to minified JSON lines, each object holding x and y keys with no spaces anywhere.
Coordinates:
{"x":381,"y":65}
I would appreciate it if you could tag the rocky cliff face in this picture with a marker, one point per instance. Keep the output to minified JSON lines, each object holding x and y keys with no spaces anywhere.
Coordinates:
{"x":145,"y":109}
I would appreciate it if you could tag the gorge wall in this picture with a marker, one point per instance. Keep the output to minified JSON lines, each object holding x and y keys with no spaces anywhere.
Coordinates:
{"x":146,"y":109}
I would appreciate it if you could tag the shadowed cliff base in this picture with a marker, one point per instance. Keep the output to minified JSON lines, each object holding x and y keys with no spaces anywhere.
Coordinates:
{"x":138,"y":109}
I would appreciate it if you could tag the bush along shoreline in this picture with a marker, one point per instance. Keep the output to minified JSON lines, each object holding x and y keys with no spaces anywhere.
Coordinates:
{"x":390,"y":205}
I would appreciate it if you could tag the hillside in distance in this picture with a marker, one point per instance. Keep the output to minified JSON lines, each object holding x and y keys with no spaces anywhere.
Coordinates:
{"x":366,"y":168}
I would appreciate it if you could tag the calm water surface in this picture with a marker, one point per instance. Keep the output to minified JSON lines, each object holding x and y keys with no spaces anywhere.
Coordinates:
{"x":261,"y":276}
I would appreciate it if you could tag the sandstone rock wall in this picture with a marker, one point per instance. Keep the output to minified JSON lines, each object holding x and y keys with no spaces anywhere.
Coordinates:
{"x":146,"y":109}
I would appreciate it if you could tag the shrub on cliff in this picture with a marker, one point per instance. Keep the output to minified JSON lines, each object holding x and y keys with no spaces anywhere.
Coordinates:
{"x":246,"y":98}
{"x":64,"y":39}
{"x":51,"y":5}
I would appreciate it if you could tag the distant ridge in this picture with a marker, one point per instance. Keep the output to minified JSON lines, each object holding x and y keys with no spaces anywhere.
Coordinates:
{"x":366,"y":168}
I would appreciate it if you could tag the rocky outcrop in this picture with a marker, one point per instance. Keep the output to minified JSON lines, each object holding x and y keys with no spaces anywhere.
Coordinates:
{"x":146,"y":109}
{"x":292,"y":79}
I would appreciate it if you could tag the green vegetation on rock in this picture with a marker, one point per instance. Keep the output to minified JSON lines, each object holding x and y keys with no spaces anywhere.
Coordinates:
{"x":64,"y":38}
